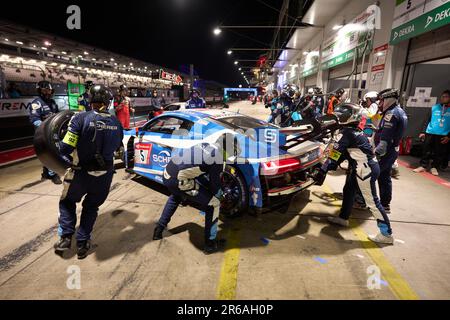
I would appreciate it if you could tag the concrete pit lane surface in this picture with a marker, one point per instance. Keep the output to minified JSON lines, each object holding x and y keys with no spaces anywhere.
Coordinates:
{"x":290,"y":253}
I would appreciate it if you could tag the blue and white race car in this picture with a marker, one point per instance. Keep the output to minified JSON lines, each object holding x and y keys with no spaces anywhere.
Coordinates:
{"x":274,"y":163}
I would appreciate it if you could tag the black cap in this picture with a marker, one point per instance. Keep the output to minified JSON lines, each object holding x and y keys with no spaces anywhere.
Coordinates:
{"x":101,"y":94}
{"x":340,"y":92}
{"x":123,"y":87}
{"x":88,"y":84}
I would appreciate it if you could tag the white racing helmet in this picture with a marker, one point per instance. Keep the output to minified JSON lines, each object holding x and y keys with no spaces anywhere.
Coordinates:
{"x":372,"y":95}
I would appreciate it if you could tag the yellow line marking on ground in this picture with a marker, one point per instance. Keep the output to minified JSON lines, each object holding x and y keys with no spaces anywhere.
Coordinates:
{"x":226,"y":289}
{"x":397,"y":284}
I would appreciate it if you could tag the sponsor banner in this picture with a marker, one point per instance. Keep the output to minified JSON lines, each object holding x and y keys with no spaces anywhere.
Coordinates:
{"x":170,"y":77}
{"x":378,"y":64}
{"x":10,"y":108}
{"x":341,"y":47}
{"x":413,"y":18}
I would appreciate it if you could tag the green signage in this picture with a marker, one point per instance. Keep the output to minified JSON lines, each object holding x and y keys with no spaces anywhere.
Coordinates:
{"x":74,"y":90}
{"x":431,"y":20}
{"x":346,"y":56}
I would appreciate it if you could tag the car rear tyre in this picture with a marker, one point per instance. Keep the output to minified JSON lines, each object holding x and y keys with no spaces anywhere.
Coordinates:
{"x":235,"y":193}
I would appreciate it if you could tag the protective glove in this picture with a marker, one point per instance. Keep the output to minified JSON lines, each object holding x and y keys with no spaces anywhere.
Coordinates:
{"x":219,"y":195}
{"x":37,"y":123}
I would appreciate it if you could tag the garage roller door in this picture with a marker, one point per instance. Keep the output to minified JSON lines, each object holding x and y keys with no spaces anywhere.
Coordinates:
{"x":430,"y":46}
{"x":311,"y":81}
{"x":346,"y":69}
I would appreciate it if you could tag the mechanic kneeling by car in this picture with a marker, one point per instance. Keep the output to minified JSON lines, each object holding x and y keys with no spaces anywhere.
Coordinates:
{"x":95,"y":135}
{"x":193,"y":177}
{"x":355,"y":147}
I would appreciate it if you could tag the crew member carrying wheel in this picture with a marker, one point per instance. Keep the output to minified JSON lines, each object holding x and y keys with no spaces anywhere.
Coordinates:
{"x":42,"y":108}
{"x":193,"y":176}
{"x":195,"y":101}
{"x":95,"y":135}
{"x":355,"y":147}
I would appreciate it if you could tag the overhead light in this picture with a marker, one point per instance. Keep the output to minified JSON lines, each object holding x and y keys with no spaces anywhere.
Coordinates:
{"x":104,"y":61}
{"x":80,"y":56}
{"x":217,"y":31}
{"x":229,"y":52}
{"x":240,"y":69}
{"x":240,"y":86}
{"x":131,"y":63}
{"x":86,"y":53}
{"x":47,"y":43}
{"x":43,"y":48}
{"x":93,"y":59}
{"x":63,"y":52}
{"x":236,"y":62}
{"x":6,"y":39}
{"x":112,"y":59}
{"x":337,"y":27}
{"x":19,"y":42}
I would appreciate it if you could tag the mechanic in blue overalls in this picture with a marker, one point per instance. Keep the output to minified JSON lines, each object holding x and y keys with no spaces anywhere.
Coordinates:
{"x":364,"y":169}
{"x":195,"y":101}
{"x":83,"y":99}
{"x":274,"y":104}
{"x":94,"y":135}
{"x":42,"y":108}
{"x":193,"y":176}
{"x":387,"y":140}
{"x":287,"y":113}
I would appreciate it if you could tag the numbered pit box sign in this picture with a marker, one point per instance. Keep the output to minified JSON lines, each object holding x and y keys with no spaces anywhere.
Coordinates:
{"x":142,"y":153}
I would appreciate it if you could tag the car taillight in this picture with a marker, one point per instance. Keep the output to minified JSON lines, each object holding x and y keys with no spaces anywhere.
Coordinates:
{"x":275,"y":167}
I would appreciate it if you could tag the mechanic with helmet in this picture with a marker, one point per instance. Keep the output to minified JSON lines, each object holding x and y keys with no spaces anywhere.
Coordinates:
{"x":335,"y":99}
{"x":275,"y":105}
{"x":318,"y":101}
{"x":42,"y":108}
{"x":193,"y":176}
{"x":364,"y":170}
{"x":195,"y":101}
{"x":83,"y":99}
{"x":94,"y":135}
{"x":387,"y":140}
{"x":123,"y":107}
{"x":287,"y":102}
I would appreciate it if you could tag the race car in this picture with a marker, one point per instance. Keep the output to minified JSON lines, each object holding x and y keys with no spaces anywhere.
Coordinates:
{"x":273,"y":164}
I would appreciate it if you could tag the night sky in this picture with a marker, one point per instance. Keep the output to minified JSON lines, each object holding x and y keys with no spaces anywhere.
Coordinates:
{"x":169,"y":33}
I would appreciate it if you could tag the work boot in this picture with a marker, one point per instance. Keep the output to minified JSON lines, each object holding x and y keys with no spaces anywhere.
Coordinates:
{"x":83,"y":248}
{"x":212,"y":246}
{"x":434,"y":172}
{"x":419,"y":169}
{"x":382,"y":239}
{"x":63,"y":244}
{"x":158,"y":233}
{"x":339,"y":221}
{"x":56,"y":180}
{"x":359,"y":206}
{"x":395,"y":173}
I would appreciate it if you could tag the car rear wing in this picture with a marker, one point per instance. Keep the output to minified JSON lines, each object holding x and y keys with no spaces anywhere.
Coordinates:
{"x":310,"y":129}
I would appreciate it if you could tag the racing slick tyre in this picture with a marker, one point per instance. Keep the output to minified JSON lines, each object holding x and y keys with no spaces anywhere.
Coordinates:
{"x":47,"y":139}
{"x":235,"y":192}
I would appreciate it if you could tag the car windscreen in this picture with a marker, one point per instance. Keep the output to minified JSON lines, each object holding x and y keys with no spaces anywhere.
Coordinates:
{"x":243,"y":122}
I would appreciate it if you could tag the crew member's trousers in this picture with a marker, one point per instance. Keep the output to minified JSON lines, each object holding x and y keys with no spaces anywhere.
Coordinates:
{"x":76,"y":185}
{"x":368,"y":188}
{"x":435,"y":151}
{"x":203,"y":201}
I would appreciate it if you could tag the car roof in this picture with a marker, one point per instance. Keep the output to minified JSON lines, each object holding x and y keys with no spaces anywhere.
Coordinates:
{"x":202,"y":113}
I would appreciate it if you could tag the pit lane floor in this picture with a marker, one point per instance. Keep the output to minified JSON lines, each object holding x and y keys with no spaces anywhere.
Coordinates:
{"x":287,"y":254}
